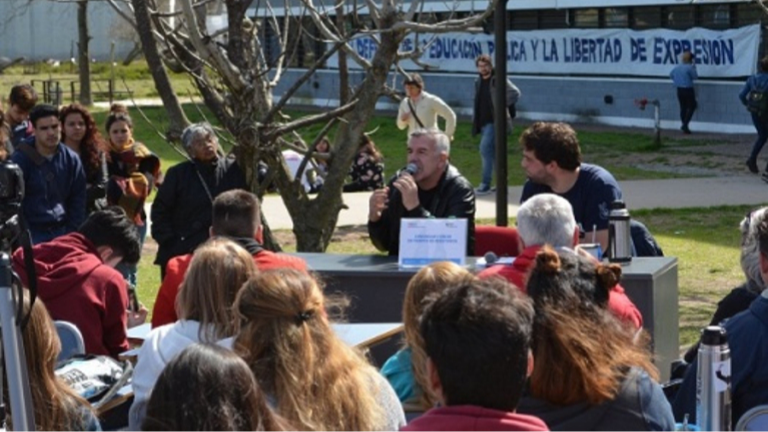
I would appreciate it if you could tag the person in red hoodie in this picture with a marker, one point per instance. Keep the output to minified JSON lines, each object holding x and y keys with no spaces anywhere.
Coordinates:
{"x":77,"y":280}
{"x":477,"y":336}
{"x":548,"y":219}
{"x":237,"y":216}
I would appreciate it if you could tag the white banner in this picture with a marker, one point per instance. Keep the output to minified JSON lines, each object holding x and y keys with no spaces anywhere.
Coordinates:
{"x":726,"y":53}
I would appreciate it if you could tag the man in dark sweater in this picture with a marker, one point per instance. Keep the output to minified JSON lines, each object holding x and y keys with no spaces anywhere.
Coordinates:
{"x":437,"y":189}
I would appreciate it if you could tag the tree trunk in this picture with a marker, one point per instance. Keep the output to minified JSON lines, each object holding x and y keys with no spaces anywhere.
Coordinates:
{"x":178,"y":120}
{"x":135,"y":51}
{"x":342,"y":56}
{"x":314,"y":233}
{"x":83,"y":55}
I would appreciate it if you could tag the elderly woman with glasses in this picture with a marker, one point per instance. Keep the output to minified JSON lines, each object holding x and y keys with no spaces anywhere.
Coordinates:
{"x":181,"y":212}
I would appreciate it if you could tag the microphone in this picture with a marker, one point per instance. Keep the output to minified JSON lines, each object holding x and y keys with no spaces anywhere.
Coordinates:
{"x":490,"y":258}
{"x":411,"y":169}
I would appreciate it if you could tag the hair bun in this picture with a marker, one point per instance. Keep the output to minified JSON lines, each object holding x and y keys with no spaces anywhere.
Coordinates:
{"x":608,"y":275}
{"x":118,"y":108}
{"x":547,"y":260}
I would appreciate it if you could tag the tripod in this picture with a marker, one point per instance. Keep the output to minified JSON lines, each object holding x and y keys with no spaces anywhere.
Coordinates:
{"x":13,"y":351}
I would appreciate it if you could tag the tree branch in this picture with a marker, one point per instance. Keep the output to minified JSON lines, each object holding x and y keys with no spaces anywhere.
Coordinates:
{"x":296,"y":85}
{"x":309,"y":120}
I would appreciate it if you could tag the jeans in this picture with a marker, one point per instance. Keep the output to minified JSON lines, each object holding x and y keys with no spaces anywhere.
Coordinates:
{"x":487,"y":153}
{"x":687,"y":99}
{"x":761,"y":125}
{"x":129,"y":271}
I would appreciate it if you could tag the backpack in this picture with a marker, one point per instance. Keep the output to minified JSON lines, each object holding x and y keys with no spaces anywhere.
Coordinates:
{"x":757,"y":101}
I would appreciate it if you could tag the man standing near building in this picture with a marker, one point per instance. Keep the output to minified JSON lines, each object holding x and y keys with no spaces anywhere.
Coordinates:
{"x":683,"y":76}
{"x":20,"y":102}
{"x":482,"y":118}
{"x":54,"y":180}
{"x":419,"y":109}
{"x":436,"y":189}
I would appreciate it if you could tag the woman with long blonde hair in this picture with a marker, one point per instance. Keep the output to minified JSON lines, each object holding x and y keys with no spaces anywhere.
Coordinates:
{"x":589,"y":371}
{"x":55,"y":404}
{"x":406,"y":370}
{"x":316,"y":381}
{"x":218,"y":269}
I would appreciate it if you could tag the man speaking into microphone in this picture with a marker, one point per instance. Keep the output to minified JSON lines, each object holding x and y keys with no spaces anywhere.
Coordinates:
{"x":429,"y":186}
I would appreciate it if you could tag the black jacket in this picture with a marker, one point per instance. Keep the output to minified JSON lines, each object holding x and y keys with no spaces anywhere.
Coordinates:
{"x":181,"y":213}
{"x":455,"y":197}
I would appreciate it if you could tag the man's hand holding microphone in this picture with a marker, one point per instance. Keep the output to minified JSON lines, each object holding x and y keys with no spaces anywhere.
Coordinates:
{"x":407,"y":187}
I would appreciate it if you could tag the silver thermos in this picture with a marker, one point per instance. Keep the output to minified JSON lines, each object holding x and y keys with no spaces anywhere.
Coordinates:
{"x":713,"y":381}
{"x":619,"y":236}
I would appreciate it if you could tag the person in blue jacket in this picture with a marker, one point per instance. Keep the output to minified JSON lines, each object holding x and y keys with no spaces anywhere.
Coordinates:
{"x":757,"y":83}
{"x":54,"y":180}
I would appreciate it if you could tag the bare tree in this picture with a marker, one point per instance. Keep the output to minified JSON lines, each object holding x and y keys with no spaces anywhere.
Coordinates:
{"x":83,"y":54}
{"x":235,"y":75}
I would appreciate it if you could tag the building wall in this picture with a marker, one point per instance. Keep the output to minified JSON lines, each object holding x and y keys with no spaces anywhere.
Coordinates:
{"x":563,"y":98}
{"x":48,"y":29}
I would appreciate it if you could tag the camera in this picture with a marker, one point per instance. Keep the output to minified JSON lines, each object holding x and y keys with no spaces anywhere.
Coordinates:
{"x":11,"y":195}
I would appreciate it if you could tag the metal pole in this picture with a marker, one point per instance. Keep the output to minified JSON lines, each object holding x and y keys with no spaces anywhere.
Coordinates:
{"x":19,"y":394}
{"x":500,"y":110}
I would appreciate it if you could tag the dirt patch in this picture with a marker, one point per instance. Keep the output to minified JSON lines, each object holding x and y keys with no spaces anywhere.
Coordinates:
{"x":342,"y":234}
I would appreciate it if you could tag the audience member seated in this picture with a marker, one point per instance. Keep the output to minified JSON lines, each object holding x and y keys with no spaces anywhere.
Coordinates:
{"x":548,"y":219}
{"x":54,"y":404}
{"x":590,"y":372}
{"x":322,"y":163}
{"x":367,"y":171}
{"x":80,"y":134}
{"x":181,"y":212}
{"x":747,"y":333}
{"x":236,"y":216}
{"x":552,"y":163}
{"x":77,"y":280}
{"x":314,"y":380}
{"x":54,"y":180}
{"x":477,"y":337}
{"x":218,"y":270}
{"x":437,"y":189}
{"x":742,"y":296}
{"x":406,"y":370}
{"x":209,"y":388}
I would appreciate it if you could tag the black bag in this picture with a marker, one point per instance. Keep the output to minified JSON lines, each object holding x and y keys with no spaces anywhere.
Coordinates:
{"x":757,"y":101}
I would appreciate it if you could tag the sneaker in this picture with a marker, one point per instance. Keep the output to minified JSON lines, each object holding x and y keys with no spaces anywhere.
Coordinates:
{"x":752,"y":165}
{"x":483,"y":190}
{"x":685,"y":130}
{"x":493,"y":189}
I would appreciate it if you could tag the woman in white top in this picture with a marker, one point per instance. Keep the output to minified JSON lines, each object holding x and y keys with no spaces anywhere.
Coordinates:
{"x":204,"y":306}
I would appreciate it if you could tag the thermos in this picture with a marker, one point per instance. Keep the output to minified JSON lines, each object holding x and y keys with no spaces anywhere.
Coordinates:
{"x":619,"y":236}
{"x":713,"y":381}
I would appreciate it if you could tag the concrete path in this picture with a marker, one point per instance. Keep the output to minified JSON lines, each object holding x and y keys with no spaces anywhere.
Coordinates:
{"x":639,"y":194}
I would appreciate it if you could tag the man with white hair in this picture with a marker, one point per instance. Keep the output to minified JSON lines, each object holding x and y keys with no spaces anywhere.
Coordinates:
{"x":436,"y":189}
{"x":548,"y":219}
{"x":181,"y":213}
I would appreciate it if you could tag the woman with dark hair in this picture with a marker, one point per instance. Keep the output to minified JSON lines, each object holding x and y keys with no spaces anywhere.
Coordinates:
{"x":79,"y":133}
{"x":589,"y":373}
{"x":316,"y":381}
{"x":367,"y":171}
{"x":133,"y":172}
{"x":754,"y":95}
{"x":55,"y":405}
{"x":209,"y":388}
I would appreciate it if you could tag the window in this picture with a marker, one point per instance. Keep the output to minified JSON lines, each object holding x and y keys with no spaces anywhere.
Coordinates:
{"x":585,"y":18}
{"x":616,"y":17}
{"x":646,"y":17}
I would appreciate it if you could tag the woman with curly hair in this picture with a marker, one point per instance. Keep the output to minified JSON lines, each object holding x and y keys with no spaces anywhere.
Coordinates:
{"x":406,"y":370}
{"x":79,"y":133}
{"x":316,"y":381}
{"x":589,"y":371}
